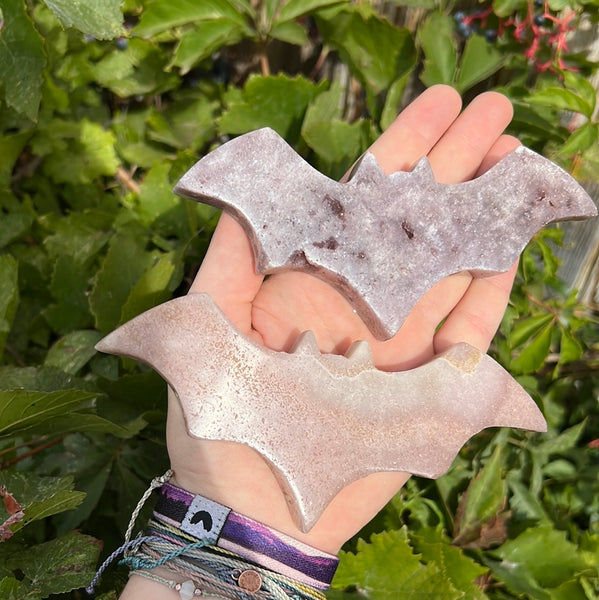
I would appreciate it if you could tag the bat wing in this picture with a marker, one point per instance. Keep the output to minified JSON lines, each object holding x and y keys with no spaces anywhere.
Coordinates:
{"x":354,"y":419}
{"x":382,"y":241}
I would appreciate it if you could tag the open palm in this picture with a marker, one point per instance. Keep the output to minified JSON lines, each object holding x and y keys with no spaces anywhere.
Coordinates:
{"x":274,"y":310}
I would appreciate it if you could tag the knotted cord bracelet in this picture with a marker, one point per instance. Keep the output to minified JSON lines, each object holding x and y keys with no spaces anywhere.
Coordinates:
{"x":207,"y":521}
{"x":218,"y":552}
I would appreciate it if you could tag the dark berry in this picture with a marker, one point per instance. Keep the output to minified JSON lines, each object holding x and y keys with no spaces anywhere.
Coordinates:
{"x":465,"y":30}
{"x":121,"y":43}
{"x":459,"y":16}
{"x":539,"y":3}
{"x":490,"y":35}
{"x":540,"y":20}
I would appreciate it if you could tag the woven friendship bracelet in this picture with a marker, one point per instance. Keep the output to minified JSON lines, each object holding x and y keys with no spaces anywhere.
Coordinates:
{"x":217,"y":525}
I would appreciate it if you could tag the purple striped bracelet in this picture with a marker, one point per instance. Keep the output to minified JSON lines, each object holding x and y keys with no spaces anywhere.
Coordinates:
{"x":217,"y":525}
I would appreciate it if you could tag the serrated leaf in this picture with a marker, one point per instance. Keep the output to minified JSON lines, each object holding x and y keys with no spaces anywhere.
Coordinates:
{"x":479,"y":61}
{"x":277,"y":101}
{"x":437,"y":39}
{"x":141,"y":68}
{"x":451,"y":561}
{"x":386,"y":569}
{"x":73,"y":351}
{"x":375,"y":51}
{"x":81,"y":152}
{"x":160,"y":16}
{"x":60,"y":565}
{"x":203,"y":40}
{"x":534,"y":355}
{"x":9,"y":296}
{"x":101,"y":18}
{"x":22,"y":58}
{"x":20,"y":409}
{"x":40,"y":497}
{"x":544,"y":553}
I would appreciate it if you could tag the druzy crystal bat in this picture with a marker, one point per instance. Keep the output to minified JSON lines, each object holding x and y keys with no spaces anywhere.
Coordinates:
{"x":354,"y":419}
{"x":382,"y":241}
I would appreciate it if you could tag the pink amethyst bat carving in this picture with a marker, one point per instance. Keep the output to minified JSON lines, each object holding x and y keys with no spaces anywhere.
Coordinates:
{"x":354,"y":419}
{"x":382,"y":241}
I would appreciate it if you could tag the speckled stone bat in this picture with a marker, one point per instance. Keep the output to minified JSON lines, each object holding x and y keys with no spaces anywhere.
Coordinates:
{"x":382,"y":241}
{"x":353,"y":418}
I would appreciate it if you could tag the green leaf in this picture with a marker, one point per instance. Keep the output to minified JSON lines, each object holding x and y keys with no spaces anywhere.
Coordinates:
{"x":9,"y":296}
{"x":77,"y":152}
{"x":565,"y":441}
{"x":17,"y":216}
{"x":142,"y":68}
{"x":39,"y":497}
{"x":386,"y":569}
{"x":152,"y":288}
{"x":101,"y":18}
{"x":393,"y":100}
{"x":505,"y":8}
{"x":290,"y":32}
{"x":479,"y":61}
{"x":544,"y":554}
{"x":584,"y":88}
{"x":125,"y":262}
{"x":455,"y":566}
{"x":582,"y":139}
{"x":479,"y":507}
{"x":277,"y":101}
{"x":10,"y":148}
{"x":534,"y":355}
{"x":60,"y":565}
{"x":20,"y":410}
{"x":524,"y":329}
{"x":337,"y":142}
{"x":561,"y":99}
{"x":298,"y":8}
{"x":437,"y":39}
{"x":73,"y":351}
{"x":570,"y":348}
{"x":160,"y":16}
{"x":203,"y":40}
{"x":375,"y":51}
{"x":22,"y":58}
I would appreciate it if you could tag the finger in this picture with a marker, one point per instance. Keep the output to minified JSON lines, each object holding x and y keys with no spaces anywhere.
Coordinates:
{"x":228,"y":272}
{"x":458,"y":154}
{"x":477,"y":315}
{"x":417,"y":129}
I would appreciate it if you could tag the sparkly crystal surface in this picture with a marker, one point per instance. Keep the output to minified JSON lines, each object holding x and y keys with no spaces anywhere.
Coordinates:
{"x":354,"y":419}
{"x":382,"y":241}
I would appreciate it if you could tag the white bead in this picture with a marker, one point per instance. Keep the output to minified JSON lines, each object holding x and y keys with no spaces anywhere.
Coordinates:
{"x":187,"y":590}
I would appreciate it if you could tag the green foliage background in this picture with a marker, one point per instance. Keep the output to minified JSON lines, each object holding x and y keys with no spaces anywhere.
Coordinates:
{"x":103,"y":106}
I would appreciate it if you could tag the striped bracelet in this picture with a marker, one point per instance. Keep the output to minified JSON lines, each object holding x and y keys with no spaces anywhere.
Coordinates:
{"x":217,"y":525}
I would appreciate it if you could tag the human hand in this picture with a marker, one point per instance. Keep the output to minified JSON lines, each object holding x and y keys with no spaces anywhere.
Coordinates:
{"x":274,"y":310}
